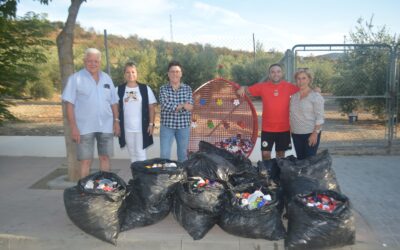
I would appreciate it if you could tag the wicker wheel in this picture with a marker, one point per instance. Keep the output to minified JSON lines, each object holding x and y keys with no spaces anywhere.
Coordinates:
{"x":223,"y":118}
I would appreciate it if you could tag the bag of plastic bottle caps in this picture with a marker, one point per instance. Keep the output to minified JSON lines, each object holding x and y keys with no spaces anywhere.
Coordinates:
{"x":238,"y":160}
{"x":95,"y":208}
{"x":139,"y":213}
{"x":196,"y":223}
{"x":155,"y":184}
{"x":202,"y":194}
{"x":255,"y":218}
{"x":318,"y":220}
{"x":197,"y":205}
{"x":150,"y":191}
{"x":305,"y":176}
{"x":210,"y":166}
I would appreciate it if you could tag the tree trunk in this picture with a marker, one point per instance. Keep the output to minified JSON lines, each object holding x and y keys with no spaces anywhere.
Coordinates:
{"x":65,"y":41}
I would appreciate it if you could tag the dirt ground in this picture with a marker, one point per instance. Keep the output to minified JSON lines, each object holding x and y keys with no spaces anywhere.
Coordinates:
{"x":368,"y":135}
{"x":42,"y":119}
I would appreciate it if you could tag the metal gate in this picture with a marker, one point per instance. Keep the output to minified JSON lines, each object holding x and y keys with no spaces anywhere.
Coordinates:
{"x":395,"y":92}
{"x":360,"y":85}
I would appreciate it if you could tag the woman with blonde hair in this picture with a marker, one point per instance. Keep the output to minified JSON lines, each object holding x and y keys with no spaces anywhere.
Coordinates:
{"x":306,"y":116}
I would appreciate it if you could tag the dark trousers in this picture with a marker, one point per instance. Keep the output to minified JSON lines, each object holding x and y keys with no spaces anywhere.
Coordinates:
{"x":303,"y":150}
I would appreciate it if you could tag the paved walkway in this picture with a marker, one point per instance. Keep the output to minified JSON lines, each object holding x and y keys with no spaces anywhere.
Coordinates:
{"x":36,"y":218}
{"x":54,"y":146}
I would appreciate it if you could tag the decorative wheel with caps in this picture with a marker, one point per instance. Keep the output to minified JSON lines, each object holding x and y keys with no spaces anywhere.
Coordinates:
{"x":223,"y":118}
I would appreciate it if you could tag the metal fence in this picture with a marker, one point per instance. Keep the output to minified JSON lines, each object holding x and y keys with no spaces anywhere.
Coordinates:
{"x":360,"y":66}
{"x":395,"y":92}
{"x":360,"y":89}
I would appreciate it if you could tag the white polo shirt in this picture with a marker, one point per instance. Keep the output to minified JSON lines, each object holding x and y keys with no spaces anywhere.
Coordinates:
{"x":92,"y":102}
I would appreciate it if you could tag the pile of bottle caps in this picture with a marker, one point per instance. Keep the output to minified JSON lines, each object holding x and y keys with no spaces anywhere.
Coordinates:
{"x":251,"y":201}
{"x":162,"y":165}
{"x":104,"y":184}
{"x":321,"y":201}
{"x":200,"y":182}
{"x":236,"y":145}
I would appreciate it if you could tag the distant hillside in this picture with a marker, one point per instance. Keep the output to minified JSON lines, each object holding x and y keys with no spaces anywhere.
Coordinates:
{"x":331,"y":56}
{"x":201,"y":62}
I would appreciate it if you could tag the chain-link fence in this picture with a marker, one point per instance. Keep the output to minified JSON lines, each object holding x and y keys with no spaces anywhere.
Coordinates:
{"x":360,"y":84}
{"x":395,"y":93}
{"x":360,"y":89}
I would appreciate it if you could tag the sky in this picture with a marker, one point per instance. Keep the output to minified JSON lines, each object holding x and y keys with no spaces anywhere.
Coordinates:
{"x":278,"y":25}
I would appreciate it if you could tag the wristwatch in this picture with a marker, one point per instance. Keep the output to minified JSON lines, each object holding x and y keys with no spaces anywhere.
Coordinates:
{"x":151,"y":124}
{"x":116,"y":119}
{"x":318,"y":131}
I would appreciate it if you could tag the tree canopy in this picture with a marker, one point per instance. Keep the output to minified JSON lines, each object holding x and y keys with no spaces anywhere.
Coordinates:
{"x":22,"y":44}
{"x":364,"y":71}
{"x":29,"y":66}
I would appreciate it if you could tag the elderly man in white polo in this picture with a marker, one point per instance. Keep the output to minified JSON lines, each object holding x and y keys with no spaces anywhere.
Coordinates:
{"x":92,"y":112}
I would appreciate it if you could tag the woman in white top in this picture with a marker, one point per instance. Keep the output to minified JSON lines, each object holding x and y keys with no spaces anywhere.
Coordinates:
{"x":136,"y":114}
{"x":306,"y":116}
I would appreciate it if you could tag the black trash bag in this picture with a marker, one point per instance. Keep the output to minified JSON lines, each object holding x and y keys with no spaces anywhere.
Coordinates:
{"x":269,"y":169}
{"x":259,"y":176}
{"x":154,"y":185}
{"x":95,"y":211}
{"x":305,"y":176}
{"x":139,"y":214}
{"x":196,"y":223}
{"x":244,"y":171}
{"x":276,"y":190}
{"x":238,"y":160}
{"x":151,"y":191}
{"x":209,"y":198}
{"x":251,"y":175}
{"x":313,"y":228}
{"x":302,"y":185}
{"x":259,"y":223}
{"x":279,"y":194}
{"x":197,"y":208}
{"x":209,"y":165}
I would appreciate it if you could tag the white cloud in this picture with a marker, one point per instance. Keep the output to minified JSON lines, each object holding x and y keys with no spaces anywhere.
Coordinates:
{"x":218,"y":14}
{"x":221,"y":23}
{"x":148,"y":19}
{"x":148,"y":7}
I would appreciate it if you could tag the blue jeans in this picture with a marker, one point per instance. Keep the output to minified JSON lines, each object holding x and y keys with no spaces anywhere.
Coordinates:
{"x":303,"y":150}
{"x":182,"y":142}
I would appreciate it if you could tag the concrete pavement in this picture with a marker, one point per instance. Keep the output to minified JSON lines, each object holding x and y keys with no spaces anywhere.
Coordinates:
{"x":36,"y":219}
{"x":54,"y":146}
